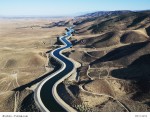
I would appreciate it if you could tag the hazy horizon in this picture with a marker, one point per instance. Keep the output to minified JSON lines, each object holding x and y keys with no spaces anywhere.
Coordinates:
{"x":57,"y":8}
{"x":48,"y":16}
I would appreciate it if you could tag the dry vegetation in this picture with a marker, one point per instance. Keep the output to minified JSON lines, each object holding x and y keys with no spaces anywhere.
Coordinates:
{"x":114,"y":53}
{"x":23,"y":46}
{"x":117,"y":49}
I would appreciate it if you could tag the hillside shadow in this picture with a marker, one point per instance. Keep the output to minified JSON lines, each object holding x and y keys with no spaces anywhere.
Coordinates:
{"x":138,"y":72}
{"x":132,"y":37}
{"x":121,"y":52}
{"x":138,"y":20}
{"x":107,"y":36}
{"x":148,"y":31}
{"x":98,"y":27}
{"x":78,"y":29}
{"x":88,"y":42}
{"x":28,"y":104}
{"x":84,"y":21}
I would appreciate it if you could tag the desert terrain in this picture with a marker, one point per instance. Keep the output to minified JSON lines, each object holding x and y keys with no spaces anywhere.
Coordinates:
{"x":23,"y":46}
{"x":114,"y":51}
{"x":111,"y":51}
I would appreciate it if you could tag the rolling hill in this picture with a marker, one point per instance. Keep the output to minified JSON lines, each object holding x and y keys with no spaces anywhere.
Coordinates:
{"x":115,"y":46}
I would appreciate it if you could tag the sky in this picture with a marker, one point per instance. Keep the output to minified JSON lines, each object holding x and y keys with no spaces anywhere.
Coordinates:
{"x":67,"y":7}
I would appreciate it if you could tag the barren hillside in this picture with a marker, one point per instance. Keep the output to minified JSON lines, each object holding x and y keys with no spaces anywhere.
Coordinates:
{"x":114,"y":53}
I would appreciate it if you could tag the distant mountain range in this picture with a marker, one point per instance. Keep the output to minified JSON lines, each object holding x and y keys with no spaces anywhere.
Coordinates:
{"x":106,"y":13}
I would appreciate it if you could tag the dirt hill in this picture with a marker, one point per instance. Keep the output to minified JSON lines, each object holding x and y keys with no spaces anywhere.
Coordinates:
{"x":116,"y":49}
